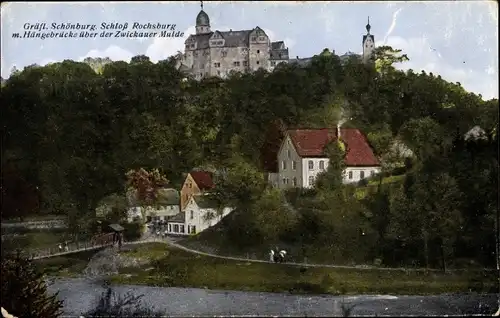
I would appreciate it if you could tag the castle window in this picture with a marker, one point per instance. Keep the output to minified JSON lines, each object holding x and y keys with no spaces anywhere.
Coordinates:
{"x":195,"y":54}
{"x":258,"y":51}
{"x":254,"y":38}
{"x":216,"y":64}
{"x":273,"y":63}
{"x":218,"y":72}
{"x":245,"y":63}
{"x":257,"y":62}
{"x":224,"y":54}
{"x":236,"y":63}
{"x":192,"y":45}
{"x":280,"y":56}
{"x":261,"y":38}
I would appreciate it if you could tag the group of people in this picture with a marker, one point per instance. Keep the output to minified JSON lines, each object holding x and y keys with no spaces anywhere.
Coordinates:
{"x":277,"y":255}
{"x":65,"y":247}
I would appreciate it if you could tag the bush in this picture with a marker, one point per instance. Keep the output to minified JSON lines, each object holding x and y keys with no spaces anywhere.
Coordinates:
{"x":363,"y":182}
{"x":127,"y":306}
{"x":24,"y":292}
{"x":133,"y":231}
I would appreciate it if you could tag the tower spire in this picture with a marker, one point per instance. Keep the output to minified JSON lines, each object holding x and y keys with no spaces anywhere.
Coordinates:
{"x":201,"y":3}
{"x":368,"y":26}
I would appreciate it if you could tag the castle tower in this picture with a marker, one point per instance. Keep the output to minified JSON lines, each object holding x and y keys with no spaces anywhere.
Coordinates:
{"x":202,"y":22}
{"x":368,"y":43}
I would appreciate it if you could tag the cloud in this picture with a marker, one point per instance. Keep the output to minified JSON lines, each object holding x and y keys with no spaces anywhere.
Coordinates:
{"x":114,"y":52}
{"x":162,"y":48}
{"x":423,"y":57}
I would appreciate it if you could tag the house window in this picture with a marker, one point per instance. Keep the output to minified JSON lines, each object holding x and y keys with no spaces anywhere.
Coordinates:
{"x":294,"y":181}
{"x":191,"y":46}
{"x":224,"y":54}
{"x":182,"y":228}
{"x":294,"y":165}
{"x":372,"y":173}
{"x":284,"y":181}
{"x":362,"y":174}
{"x":280,"y":56}
{"x":236,"y":63}
{"x":289,"y":154}
{"x":254,"y":38}
{"x":287,"y":180}
{"x":195,"y":54}
{"x":273,"y":63}
{"x":350,"y":174}
{"x":170,"y":227}
{"x":311,"y":180}
{"x":283,"y":165}
{"x":176,"y":228}
{"x":245,"y":63}
{"x":257,"y":62}
{"x":258,"y":51}
{"x":191,"y":214}
{"x":193,"y":229}
{"x":218,"y":72}
{"x":311,"y":165}
{"x":322,"y":165}
{"x":216,"y":64}
{"x":261,"y":38}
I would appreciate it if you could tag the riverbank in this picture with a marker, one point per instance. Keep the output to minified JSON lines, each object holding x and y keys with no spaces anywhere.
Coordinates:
{"x":172,"y":267}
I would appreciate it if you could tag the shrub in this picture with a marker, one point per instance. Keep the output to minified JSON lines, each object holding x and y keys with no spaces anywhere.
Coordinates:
{"x":133,"y":231}
{"x":111,"y":305}
{"x":24,"y":293}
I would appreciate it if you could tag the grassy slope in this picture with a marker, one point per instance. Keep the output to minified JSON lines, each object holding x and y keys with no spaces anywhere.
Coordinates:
{"x":175,"y":267}
{"x":66,"y":265}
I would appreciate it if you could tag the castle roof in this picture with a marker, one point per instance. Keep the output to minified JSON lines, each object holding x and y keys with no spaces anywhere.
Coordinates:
{"x":202,"y":19}
{"x":232,"y":38}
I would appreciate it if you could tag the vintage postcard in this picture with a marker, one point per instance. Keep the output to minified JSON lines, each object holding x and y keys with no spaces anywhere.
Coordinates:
{"x":182,"y":158}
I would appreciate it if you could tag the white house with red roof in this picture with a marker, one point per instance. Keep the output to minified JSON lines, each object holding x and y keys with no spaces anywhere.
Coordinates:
{"x":302,"y":156}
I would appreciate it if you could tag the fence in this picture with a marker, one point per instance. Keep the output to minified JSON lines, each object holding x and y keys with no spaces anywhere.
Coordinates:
{"x":71,"y":247}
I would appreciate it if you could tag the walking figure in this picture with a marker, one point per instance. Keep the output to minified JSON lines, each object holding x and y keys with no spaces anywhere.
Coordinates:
{"x":277,"y":256}
{"x":66,"y":246}
{"x":60,"y":248}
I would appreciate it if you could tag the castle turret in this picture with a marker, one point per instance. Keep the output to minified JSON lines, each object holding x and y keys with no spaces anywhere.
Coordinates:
{"x":368,"y":43}
{"x":202,"y":22}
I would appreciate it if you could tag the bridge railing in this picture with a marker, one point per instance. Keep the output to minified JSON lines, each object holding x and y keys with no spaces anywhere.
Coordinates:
{"x":67,"y":248}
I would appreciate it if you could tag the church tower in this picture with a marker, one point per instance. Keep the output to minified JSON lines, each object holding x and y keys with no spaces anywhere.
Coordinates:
{"x":368,"y":43}
{"x":202,"y":22}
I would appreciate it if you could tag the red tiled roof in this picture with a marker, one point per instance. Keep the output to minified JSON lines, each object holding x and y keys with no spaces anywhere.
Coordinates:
{"x":203,"y":179}
{"x":312,"y":142}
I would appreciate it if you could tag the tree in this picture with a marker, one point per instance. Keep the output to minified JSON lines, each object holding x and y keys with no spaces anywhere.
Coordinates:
{"x":146,"y":183}
{"x":332,"y":178}
{"x":24,"y":293}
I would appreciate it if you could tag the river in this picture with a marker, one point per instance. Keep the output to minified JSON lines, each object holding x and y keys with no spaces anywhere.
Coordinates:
{"x":80,"y":294}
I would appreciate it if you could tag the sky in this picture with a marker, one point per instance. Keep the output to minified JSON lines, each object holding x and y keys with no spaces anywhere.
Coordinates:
{"x":455,"y":39}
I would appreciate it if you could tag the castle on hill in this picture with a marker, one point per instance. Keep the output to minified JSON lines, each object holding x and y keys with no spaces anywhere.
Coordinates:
{"x":216,"y":53}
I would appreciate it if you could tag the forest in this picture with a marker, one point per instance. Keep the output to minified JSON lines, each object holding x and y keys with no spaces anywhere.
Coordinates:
{"x":71,"y":133}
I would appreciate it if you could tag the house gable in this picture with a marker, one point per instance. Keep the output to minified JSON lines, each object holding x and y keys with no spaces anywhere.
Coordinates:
{"x":189,"y":187}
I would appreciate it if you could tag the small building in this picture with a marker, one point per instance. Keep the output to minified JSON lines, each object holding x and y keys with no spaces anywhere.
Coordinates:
{"x":175,"y":225}
{"x":302,"y":156}
{"x":203,"y":211}
{"x":196,"y":182}
{"x":166,"y":205}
